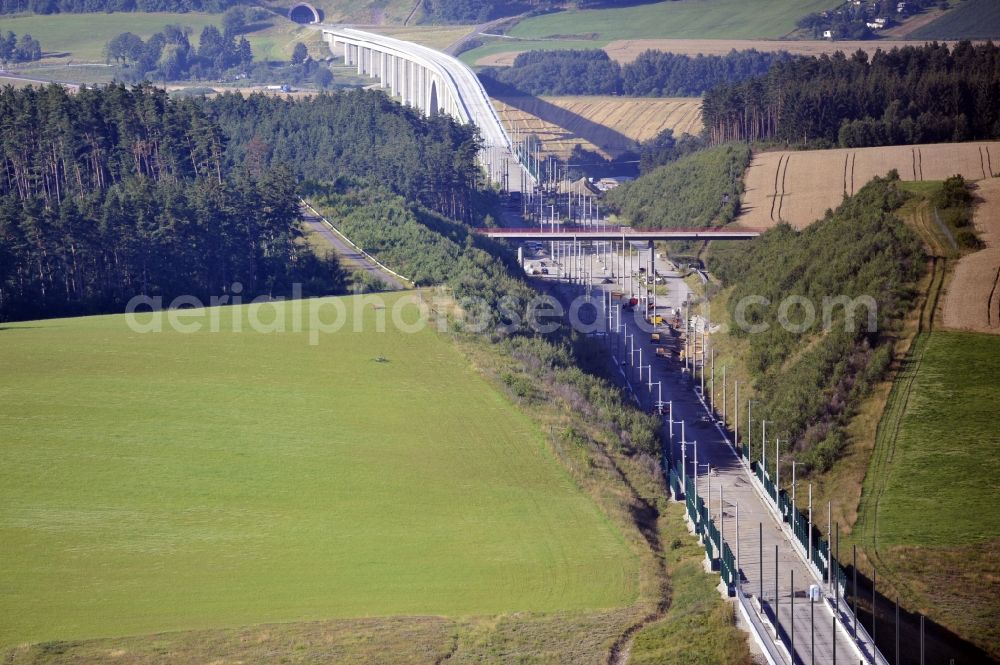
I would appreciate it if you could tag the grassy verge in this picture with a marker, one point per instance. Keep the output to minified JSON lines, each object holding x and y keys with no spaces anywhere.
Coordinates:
{"x":925,"y":515}
{"x":221,"y":479}
{"x":698,"y":626}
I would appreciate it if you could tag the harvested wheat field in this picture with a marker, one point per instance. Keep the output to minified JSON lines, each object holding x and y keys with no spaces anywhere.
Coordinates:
{"x":972,"y":301}
{"x":627,"y":50}
{"x":608,"y":125}
{"x":798,"y":186}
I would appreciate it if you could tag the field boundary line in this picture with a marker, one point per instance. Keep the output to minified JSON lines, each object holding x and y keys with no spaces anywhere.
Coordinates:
{"x":946,"y":231}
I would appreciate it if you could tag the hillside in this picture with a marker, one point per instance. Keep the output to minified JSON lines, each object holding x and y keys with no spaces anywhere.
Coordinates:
{"x":916,"y":516}
{"x":971,"y":19}
{"x":799,"y":186}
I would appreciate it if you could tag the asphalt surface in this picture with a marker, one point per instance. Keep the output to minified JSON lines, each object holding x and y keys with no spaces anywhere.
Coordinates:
{"x":350,"y":257}
{"x":761,"y":535}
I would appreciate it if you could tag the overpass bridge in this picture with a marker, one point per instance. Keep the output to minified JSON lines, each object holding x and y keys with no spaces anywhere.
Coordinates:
{"x":434,"y":82}
{"x":585,"y":233}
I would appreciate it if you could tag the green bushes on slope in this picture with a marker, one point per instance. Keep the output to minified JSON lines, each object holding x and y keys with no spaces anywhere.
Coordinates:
{"x":702,"y":189}
{"x":811,"y":378}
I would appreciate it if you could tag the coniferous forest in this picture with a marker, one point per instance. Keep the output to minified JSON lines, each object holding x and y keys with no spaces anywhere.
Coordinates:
{"x":652,"y":74}
{"x":111,"y":193}
{"x":922,"y":94}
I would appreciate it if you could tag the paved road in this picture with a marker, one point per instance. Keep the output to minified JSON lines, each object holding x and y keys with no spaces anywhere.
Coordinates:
{"x":349,"y":256}
{"x":759,"y":530}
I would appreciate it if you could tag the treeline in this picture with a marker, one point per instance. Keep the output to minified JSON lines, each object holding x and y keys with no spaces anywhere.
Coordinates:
{"x":358,"y":136}
{"x":169,"y":55}
{"x":85,"y":6}
{"x":911,"y":95}
{"x":652,"y":74}
{"x":477,"y":11}
{"x":570,"y":72}
{"x":25,"y":49}
{"x":811,"y":380}
{"x":112,"y":193}
{"x":699,"y":189}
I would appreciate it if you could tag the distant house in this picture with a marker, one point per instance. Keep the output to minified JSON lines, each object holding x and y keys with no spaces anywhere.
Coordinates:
{"x":828,"y":34}
{"x":604,"y":184}
{"x":900,"y":7}
{"x":876,"y":24}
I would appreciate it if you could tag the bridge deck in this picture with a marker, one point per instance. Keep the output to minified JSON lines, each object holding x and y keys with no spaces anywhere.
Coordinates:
{"x":619,"y":233}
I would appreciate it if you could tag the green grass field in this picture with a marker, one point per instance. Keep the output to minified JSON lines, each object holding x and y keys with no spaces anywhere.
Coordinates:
{"x":940,"y":487}
{"x":928,"y":511}
{"x":166,"y":481}
{"x":83,"y":36}
{"x":684,"y":19}
{"x":972,"y":19}
{"x":76,"y":38}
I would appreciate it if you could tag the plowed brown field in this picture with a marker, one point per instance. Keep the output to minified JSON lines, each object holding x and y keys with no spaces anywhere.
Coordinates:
{"x":608,"y":125}
{"x":798,"y":186}
{"x":972,"y":301}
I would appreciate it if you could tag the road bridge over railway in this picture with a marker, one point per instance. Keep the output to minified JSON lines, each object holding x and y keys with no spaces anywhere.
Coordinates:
{"x":613,"y":233}
{"x":434,"y":82}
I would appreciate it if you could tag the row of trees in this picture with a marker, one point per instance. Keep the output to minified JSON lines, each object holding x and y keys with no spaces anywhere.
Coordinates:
{"x":112,"y":193}
{"x":476,"y":11}
{"x":653,"y":73}
{"x":84,"y":6}
{"x":358,"y":135}
{"x":810,"y":380}
{"x":25,"y":49}
{"x":918,"y":94}
{"x":115,"y":192}
{"x":169,"y":55}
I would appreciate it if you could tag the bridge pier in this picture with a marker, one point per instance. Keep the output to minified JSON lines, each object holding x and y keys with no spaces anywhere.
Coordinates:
{"x":433,"y":83}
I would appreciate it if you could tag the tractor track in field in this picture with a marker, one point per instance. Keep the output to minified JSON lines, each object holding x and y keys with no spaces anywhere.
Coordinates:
{"x":784,"y":176}
{"x":989,"y":301}
{"x":774,"y":196}
{"x":887,"y":431}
